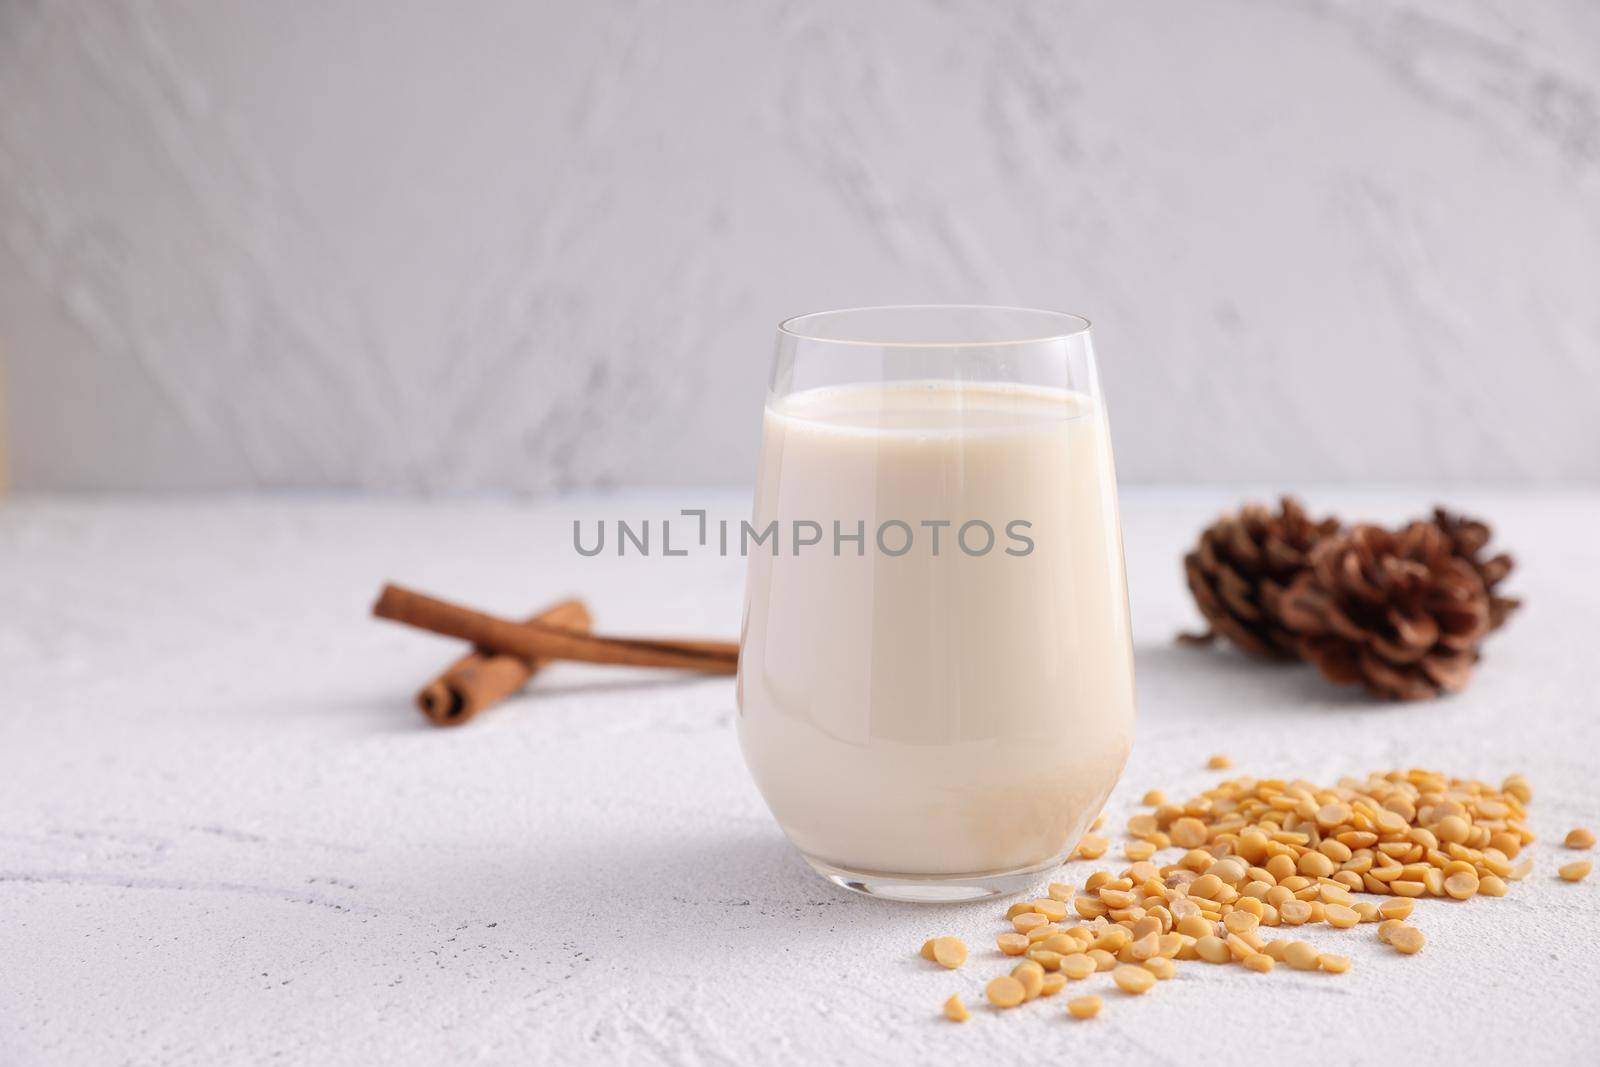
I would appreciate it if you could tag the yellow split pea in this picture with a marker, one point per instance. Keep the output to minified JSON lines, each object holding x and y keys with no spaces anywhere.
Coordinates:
{"x":1259,"y":854}
{"x":1189,"y":832}
{"x":1302,"y":956}
{"x":1092,"y":847}
{"x":1084,"y":1007}
{"x":1162,"y":967}
{"x":1575,"y":872}
{"x":1028,"y":920}
{"x":947,"y":952}
{"x":1051,"y":909}
{"x":1396,"y":907}
{"x":1031,"y":976}
{"x":1407,"y":939}
{"x":1005,"y":992}
{"x":1132,"y":979}
{"x":1078,"y":966}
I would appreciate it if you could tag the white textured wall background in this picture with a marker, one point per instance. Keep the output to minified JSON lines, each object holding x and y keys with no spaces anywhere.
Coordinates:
{"x":509,"y":245}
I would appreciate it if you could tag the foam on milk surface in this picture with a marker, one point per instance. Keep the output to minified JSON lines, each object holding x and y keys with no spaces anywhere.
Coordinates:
{"x":932,"y":407}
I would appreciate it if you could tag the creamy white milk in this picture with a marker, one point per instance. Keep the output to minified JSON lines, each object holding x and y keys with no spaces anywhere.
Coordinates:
{"x":949,"y":714}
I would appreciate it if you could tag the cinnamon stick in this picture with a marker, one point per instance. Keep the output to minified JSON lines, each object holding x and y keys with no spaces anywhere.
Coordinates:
{"x":481,"y":678}
{"x":538,"y":640}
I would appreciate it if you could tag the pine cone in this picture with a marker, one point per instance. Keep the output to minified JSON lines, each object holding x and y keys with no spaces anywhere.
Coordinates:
{"x":1399,"y":612}
{"x":1467,"y":539}
{"x":1240,"y":568}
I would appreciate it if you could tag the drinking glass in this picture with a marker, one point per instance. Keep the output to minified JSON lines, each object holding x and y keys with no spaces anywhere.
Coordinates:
{"x":936,"y":672}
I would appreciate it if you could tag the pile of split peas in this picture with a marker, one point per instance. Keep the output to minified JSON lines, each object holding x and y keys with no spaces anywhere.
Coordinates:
{"x":1261,"y":855}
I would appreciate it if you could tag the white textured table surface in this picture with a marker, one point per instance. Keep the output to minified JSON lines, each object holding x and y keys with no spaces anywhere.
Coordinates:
{"x":226,"y":837}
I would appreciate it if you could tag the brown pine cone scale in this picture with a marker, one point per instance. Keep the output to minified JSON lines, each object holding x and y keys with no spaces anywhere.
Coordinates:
{"x":1468,"y":538}
{"x":1240,"y":568}
{"x":1397,"y":611}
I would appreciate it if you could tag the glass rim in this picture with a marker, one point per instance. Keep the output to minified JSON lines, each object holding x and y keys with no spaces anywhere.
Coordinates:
{"x":1073,"y":325}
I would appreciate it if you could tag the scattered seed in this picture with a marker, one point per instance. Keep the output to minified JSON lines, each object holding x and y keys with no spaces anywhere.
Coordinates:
{"x":1316,"y":865}
{"x":949,"y":952}
{"x":1259,"y":853}
{"x":1189,"y":832}
{"x":1113,"y":938}
{"x":1575,"y":872}
{"x":1051,"y":909}
{"x":1580,"y":837}
{"x":1219,"y":762}
{"x":1212,"y":949}
{"x":1005,"y":992}
{"x":1301,"y":955}
{"x":1396,"y":908}
{"x":1031,"y":975}
{"x":1146,"y":947}
{"x":1240,"y":947}
{"x":1407,"y":939}
{"x":1240,"y":922}
{"x":1162,"y":967}
{"x":1132,"y":979}
{"x":1333,"y":815}
{"x":1028,"y":920}
{"x":1077,"y":966}
{"x":1050,"y":961}
{"x":1092,"y":847}
{"x":956,"y":1011}
{"x":1084,"y":1007}
{"x":1294,"y":912}
{"x":1143,"y":824}
{"x":1040,"y":934}
{"x":1061,"y":944}
{"x":1013,"y":944}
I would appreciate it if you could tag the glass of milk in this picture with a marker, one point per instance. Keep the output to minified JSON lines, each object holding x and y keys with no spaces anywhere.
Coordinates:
{"x":936,"y":674}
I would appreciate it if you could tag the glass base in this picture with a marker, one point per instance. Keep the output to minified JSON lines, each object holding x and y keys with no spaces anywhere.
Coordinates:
{"x":932,"y":888}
